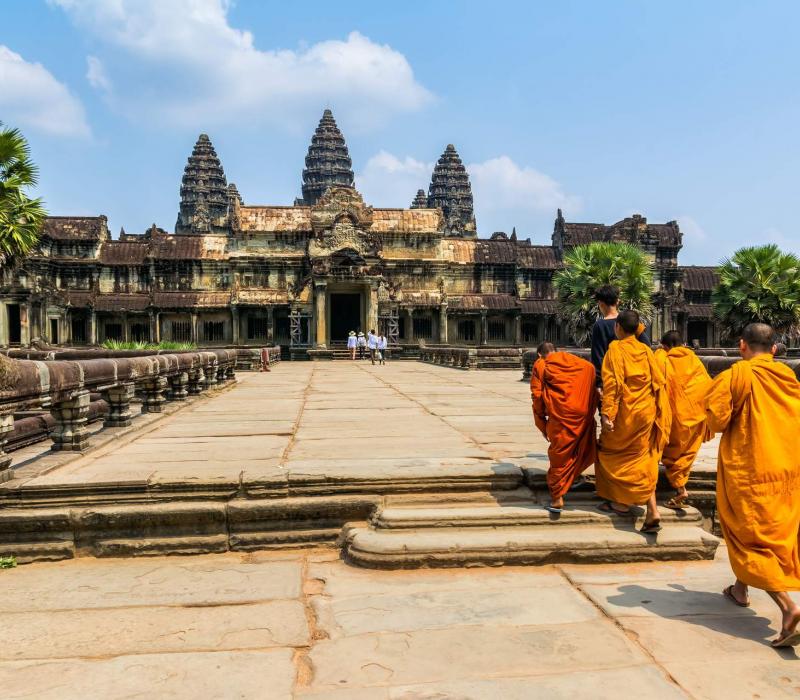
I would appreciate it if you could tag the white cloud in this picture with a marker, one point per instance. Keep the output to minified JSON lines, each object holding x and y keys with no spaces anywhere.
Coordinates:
{"x":96,"y":74}
{"x":691,"y":229}
{"x":505,"y":193}
{"x":208,"y":71}
{"x":31,"y":98}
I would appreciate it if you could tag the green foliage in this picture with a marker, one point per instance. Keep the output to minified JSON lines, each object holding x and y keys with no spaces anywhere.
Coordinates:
{"x":21,"y":217}
{"x":587,"y":267}
{"x":759,"y":284}
{"x":7,"y":562}
{"x":142,"y":345}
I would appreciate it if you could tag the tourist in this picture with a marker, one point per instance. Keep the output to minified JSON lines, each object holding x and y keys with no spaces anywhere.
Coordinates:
{"x":382,"y":349}
{"x":756,"y":406}
{"x":635,"y":420}
{"x":361,"y":342}
{"x":564,"y":404}
{"x":603,"y":334}
{"x":688,"y":383}
{"x":372,"y":344}
{"x":352,"y":344}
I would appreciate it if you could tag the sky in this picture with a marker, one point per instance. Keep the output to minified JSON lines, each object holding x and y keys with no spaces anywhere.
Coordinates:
{"x":682,"y":110}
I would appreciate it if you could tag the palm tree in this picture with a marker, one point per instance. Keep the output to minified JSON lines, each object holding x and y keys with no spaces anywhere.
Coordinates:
{"x":21,"y":217}
{"x":586,"y":267}
{"x":759,"y":284}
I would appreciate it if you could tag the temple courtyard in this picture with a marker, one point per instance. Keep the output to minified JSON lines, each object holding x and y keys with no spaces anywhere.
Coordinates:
{"x":281,"y":467}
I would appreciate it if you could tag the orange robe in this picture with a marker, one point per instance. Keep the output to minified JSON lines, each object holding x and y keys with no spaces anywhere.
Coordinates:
{"x":688,"y":384}
{"x":756,"y":406}
{"x":635,"y":400}
{"x":564,"y":404}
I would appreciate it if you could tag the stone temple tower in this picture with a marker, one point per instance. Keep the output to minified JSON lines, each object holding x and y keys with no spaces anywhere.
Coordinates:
{"x":204,"y":195}
{"x":450,"y":190}
{"x":327,"y":163}
{"x":420,"y":201}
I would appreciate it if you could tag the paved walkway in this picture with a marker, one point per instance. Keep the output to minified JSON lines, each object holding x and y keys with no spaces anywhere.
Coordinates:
{"x":292,"y":625}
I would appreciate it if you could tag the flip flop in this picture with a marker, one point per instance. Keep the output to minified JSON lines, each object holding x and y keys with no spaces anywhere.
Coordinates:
{"x":728,"y":593}
{"x":652,"y":527}
{"x":790,"y":640}
{"x":553,"y":509}
{"x":677,"y":502}
{"x":606,"y":507}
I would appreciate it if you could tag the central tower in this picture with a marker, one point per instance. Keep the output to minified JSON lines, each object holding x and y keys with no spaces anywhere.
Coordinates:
{"x":328,"y":162}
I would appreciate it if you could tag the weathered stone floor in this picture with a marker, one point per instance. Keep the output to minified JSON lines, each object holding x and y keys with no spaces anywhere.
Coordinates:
{"x":305,"y":625}
{"x":325,"y":418}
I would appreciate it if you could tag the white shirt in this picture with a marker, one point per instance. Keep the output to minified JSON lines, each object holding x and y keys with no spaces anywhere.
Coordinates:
{"x":372,"y":341}
{"x":351,"y":341}
{"x":362,"y":341}
{"x":382,"y":343}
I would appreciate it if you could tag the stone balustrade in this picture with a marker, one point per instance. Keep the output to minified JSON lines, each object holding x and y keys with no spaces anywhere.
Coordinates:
{"x":448,"y":356}
{"x":64,"y":387}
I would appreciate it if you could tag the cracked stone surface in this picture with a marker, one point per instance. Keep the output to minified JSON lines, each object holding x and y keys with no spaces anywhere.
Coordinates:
{"x":305,"y":625}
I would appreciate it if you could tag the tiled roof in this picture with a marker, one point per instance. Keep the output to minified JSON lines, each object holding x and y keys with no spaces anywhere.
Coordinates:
{"x":189,"y":247}
{"x":480,"y":302}
{"x":123,"y":252}
{"x":580,"y":234}
{"x":539,"y":256}
{"x":703,"y":311}
{"x":696,"y":278}
{"x":74,"y":228}
{"x":539,"y":306}
{"x":121,"y":302}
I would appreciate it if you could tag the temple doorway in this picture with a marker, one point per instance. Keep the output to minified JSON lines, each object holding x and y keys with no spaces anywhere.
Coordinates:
{"x":345,"y":315}
{"x":14,"y":324}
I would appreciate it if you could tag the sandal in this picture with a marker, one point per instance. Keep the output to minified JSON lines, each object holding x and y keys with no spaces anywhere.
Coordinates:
{"x":554,"y":509}
{"x":787,"y":640}
{"x":728,"y":593}
{"x":678,"y":502}
{"x":651,"y":527}
{"x":606,"y":507}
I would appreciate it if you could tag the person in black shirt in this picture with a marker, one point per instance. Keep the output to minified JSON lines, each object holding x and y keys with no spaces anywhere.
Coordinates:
{"x":607,"y":298}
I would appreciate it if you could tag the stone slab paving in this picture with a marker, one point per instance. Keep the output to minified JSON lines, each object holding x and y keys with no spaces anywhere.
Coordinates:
{"x":305,"y":625}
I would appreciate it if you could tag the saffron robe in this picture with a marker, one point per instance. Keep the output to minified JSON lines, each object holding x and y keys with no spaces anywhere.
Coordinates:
{"x":635,"y":400}
{"x":688,"y":384}
{"x":756,"y":406}
{"x":564,"y":404}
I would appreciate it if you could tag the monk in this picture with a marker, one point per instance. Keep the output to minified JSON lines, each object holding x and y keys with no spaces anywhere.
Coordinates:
{"x":688,"y":383}
{"x":756,"y":406}
{"x":635,"y":420}
{"x":564,"y":404}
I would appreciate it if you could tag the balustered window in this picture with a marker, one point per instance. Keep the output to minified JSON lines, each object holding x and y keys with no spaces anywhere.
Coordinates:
{"x":113,"y":331}
{"x":529,"y":332}
{"x":256,"y":328}
{"x":423,"y":327}
{"x":497,"y":330}
{"x":181,"y":331}
{"x":214,"y":331}
{"x":466,"y":330}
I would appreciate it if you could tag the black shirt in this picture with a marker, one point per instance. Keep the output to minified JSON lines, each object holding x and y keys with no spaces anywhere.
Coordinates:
{"x":602,"y":336}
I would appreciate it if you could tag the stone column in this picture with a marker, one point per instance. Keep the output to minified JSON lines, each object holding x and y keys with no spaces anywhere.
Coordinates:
{"x":155,"y":334}
{"x":270,"y":325}
{"x":119,"y":405}
{"x":220,"y":374}
{"x":195,"y":334}
{"x":93,"y":327}
{"x":154,"y":394}
{"x":410,"y":328}
{"x":235,"y":329}
{"x":320,"y":314}
{"x":372,"y":309}
{"x":6,"y":428}
{"x":443,"y":323}
{"x":484,"y":328}
{"x":177,"y":387}
{"x":210,"y":375}
{"x":70,"y":433}
{"x":25,"y":324}
{"x":517,"y":329}
{"x":3,"y":324}
{"x":196,"y":381}
{"x":126,"y":329}
{"x":230,"y":373}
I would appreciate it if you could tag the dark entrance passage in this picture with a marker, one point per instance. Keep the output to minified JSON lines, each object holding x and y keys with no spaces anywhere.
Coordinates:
{"x":345,"y":315}
{"x":14,"y":325}
{"x":697,"y":330}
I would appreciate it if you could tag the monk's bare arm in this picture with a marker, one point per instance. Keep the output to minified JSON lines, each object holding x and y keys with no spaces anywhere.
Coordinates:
{"x":539,"y":408}
{"x":719,"y":403}
{"x":612,"y":386}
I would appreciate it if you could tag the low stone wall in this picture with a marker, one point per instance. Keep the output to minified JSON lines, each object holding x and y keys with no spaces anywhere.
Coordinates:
{"x":471,"y":358}
{"x":64,"y":388}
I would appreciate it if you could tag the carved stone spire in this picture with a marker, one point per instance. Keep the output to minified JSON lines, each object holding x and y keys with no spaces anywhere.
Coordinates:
{"x":235,"y":202}
{"x":420,"y":201}
{"x":204,"y":196}
{"x":328,"y":162}
{"x":450,"y":190}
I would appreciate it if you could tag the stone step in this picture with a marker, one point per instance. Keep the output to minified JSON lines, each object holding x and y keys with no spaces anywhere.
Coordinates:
{"x":517,"y":515}
{"x":612,"y":542}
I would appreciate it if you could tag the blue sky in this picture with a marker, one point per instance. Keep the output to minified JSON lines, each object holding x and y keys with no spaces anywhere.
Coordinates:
{"x":681,"y":110}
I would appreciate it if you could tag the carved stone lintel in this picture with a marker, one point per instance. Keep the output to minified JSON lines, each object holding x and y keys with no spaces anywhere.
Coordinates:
{"x":70,"y":433}
{"x":119,"y":405}
{"x":6,"y":428}
{"x":177,"y":387}
{"x":154,"y":395}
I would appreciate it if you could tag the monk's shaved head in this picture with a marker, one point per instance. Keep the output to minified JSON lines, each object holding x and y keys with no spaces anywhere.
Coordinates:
{"x":629,"y":321}
{"x":759,"y":337}
{"x":671,"y":339}
{"x":545,"y":349}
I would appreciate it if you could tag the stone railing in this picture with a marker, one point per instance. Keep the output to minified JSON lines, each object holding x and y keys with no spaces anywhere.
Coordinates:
{"x":64,"y":387}
{"x":448,"y":356}
{"x":714,"y":363}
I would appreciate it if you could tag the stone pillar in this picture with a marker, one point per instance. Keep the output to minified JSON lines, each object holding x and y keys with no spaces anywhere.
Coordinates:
{"x":518,"y":329}
{"x":177,"y":387}
{"x":196,"y":381}
{"x":195,"y":334}
{"x":155,"y":331}
{"x":220,"y":374}
{"x":410,"y":329}
{"x":3,"y":324}
{"x":230,"y":373}
{"x":443,"y":324}
{"x":235,"y":329}
{"x":484,"y":328}
{"x":25,"y":324}
{"x":320,"y":314}
{"x":92,"y":327}
{"x":154,"y":394}
{"x":541,"y":329}
{"x":126,"y":330}
{"x":70,"y":433}
{"x":372,"y":309}
{"x":6,"y":428}
{"x":210,"y":375}
{"x":271,"y":326}
{"x":119,"y":405}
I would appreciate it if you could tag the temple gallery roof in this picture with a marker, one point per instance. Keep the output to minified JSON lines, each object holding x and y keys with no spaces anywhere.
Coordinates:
{"x":632,"y":229}
{"x":75,"y":228}
{"x":696,"y":278}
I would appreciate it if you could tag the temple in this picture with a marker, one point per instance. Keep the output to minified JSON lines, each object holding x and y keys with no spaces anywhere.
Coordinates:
{"x":303,"y":276}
